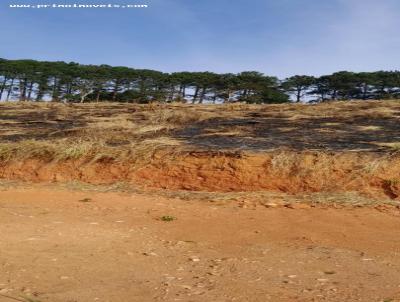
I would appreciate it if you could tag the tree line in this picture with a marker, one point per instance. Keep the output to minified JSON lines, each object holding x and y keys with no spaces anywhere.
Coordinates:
{"x":31,"y":80}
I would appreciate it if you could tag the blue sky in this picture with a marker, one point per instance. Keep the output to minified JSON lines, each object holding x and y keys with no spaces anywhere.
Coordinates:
{"x":277,"y":37}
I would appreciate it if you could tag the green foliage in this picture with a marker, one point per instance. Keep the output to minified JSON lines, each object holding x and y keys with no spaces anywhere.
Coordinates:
{"x":168,"y":218}
{"x":30,"y":80}
{"x":298,"y":85}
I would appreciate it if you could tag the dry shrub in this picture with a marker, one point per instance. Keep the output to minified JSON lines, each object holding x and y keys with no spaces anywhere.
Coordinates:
{"x":27,"y":149}
{"x":236,"y":106}
{"x":175,"y":116}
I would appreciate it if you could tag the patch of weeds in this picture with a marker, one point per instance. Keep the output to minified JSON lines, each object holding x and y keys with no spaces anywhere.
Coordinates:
{"x":394,"y":146}
{"x":391,"y":182}
{"x":85,"y":200}
{"x":26,"y":149}
{"x":167,"y":218}
{"x":6,"y":152}
{"x":74,"y":152}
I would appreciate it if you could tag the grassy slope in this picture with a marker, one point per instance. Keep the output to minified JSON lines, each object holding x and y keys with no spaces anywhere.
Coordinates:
{"x":58,"y":131}
{"x":349,"y":146}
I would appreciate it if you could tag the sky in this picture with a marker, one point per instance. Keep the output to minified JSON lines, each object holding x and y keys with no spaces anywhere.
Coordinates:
{"x":276,"y":37}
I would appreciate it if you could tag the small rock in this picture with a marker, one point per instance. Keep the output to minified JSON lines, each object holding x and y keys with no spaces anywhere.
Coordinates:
{"x":298,"y":206}
{"x":149,"y":254}
{"x":271,"y":205}
{"x":194,"y":259}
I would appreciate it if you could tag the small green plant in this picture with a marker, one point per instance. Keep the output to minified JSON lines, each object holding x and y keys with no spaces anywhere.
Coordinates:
{"x":168,"y":218}
{"x":75,"y":151}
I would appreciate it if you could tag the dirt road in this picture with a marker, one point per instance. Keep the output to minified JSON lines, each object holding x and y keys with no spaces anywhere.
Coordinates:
{"x":71,"y":246}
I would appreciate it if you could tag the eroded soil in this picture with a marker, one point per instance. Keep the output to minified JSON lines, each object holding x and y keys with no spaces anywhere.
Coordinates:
{"x":72,"y":246}
{"x":373,"y":175}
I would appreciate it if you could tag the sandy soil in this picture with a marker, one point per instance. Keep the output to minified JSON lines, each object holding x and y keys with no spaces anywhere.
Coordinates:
{"x":73,"y":246}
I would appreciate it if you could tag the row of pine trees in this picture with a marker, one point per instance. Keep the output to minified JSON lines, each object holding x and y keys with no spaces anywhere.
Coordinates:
{"x":31,"y":80}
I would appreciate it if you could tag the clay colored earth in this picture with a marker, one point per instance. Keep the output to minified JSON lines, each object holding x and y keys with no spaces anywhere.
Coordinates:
{"x":73,"y":246}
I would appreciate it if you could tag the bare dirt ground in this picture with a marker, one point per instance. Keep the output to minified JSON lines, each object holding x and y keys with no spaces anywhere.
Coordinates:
{"x":59,"y":245}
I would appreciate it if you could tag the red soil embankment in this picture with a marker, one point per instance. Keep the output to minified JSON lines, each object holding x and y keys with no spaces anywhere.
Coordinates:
{"x":376,"y":175}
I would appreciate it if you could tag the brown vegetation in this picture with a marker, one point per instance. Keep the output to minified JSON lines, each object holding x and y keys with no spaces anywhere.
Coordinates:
{"x":331,"y":147}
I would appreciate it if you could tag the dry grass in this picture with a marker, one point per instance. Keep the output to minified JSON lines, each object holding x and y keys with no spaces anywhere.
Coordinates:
{"x":392,"y":145}
{"x":54,"y":131}
{"x":50,"y":131}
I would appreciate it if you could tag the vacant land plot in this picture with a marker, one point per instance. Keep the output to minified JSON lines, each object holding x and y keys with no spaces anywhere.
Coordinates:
{"x":200,"y":203}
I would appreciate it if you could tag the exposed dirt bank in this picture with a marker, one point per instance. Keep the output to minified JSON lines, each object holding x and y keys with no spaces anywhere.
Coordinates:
{"x":372,"y":174}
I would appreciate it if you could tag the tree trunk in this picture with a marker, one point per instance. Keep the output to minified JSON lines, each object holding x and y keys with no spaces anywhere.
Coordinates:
{"x":214,"y":99}
{"x":115,"y":90}
{"x":10,"y":89}
{"x":171,"y":96}
{"x":3,"y":86}
{"x":40,"y":93}
{"x":22,"y":90}
{"x":84,"y":95}
{"x":180,"y":90}
{"x":98,"y":96}
{"x":196,"y":94}
{"x":30,"y":91}
{"x":228,"y":97}
{"x":334,"y":95}
{"x":203,"y":93}
{"x":365,"y":91}
{"x":142,"y":87}
{"x":56,"y":91}
{"x":298,"y":95}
